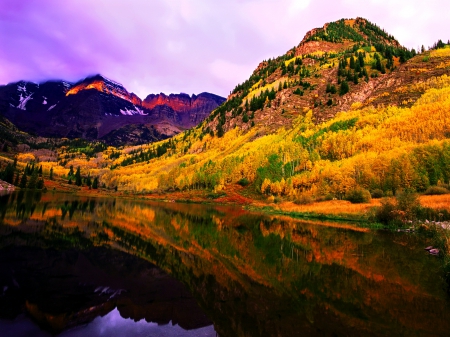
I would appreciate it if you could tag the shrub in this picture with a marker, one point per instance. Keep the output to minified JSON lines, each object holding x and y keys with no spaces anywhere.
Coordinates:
{"x":377,"y":193}
{"x":243,"y":182}
{"x":384,"y":213}
{"x":215,"y":195}
{"x":436,"y":190}
{"x":358,"y":196}
{"x":406,"y":207}
{"x":303,"y":200}
{"x":408,"y":201}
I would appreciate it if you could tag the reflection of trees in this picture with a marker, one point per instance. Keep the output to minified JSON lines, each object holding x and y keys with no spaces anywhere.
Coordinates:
{"x":254,"y":266}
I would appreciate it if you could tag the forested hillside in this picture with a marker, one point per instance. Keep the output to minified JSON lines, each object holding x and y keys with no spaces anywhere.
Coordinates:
{"x":347,"y":109}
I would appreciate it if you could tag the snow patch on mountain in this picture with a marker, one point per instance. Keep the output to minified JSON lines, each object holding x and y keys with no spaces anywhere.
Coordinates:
{"x":136,"y":111}
{"x":21,"y":88}
{"x":51,"y":107}
{"x":23,"y":101}
{"x":45,"y":100}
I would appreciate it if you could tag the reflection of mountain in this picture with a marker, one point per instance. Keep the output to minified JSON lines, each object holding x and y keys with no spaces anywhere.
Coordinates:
{"x":255,"y":275}
{"x":64,"y":288}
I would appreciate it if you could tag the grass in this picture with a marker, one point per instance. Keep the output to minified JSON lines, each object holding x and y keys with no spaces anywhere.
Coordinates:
{"x":332,"y":207}
{"x":436,"y":201}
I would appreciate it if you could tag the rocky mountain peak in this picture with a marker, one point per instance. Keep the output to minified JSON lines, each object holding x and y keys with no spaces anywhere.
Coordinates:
{"x":105,"y":85}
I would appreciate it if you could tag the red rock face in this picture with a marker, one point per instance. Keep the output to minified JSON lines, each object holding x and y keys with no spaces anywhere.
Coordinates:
{"x":179,"y":103}
{"x":102,"y":84}
{"x":183,"y":102}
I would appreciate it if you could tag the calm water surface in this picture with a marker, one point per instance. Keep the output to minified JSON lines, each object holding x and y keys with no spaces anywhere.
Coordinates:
{"x":79,"y":266}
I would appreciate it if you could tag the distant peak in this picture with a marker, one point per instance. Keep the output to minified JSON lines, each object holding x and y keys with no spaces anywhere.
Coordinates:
{"x":103,"y":84}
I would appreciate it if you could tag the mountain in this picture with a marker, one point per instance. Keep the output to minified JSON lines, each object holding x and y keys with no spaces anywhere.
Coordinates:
{"x":309,"y":76}
{"x":348,"y":108}
{"x":97,"y":108}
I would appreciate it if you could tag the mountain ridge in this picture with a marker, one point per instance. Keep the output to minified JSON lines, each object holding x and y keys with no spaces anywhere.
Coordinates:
{"x":95,"y":106}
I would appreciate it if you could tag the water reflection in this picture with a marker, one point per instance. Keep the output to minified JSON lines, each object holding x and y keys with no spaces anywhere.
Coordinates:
{"x":251,"y":274}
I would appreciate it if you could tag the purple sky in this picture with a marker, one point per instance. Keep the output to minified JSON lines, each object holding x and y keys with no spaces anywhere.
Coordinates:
{"x":191,"y":46}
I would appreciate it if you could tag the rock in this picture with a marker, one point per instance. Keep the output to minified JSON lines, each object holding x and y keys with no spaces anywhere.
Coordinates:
{"x":429,"y":248}
{"x":434,"y":251}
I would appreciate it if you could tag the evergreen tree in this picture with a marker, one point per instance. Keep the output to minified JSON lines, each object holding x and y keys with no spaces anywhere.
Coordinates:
{"x":40,"y":170}
{"x":88,"y":181}
{"x":95,"y":183}
{"x":16,"y":181}
{"x":344,"y":88}
{"x":8,"y":174}
{"x":71,"y":171}
{"x":333,"y":89}
{"x":361,"y":60}
{"x":352,"y":63}
{"x":78,"y":181}
{"x":378,"y":66}
{"x":40,"y":184}
{"x":51,"y":173}
{"x":220,"y":131}
{"x":23,"y":181}
{"x":33,"y":180}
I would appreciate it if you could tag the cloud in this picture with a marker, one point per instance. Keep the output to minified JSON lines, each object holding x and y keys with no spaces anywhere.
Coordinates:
{"x":183,"y":45}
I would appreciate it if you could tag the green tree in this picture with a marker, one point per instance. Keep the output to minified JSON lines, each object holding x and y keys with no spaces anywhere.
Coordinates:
{"x":8,"y":174}
{"x":352,"y":63}
{"x":40,"y":184}
{"x":344,"y":88}
{"x":33,"y":180}
{"x":23,"y":181}
{"x":361,"y":59}
{"x":95,"y":183}
{"x":78,"y":180}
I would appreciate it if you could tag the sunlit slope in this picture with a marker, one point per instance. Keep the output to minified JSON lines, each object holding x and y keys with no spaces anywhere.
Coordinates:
{"x":388,"y":147}
{"x":348,"y":107}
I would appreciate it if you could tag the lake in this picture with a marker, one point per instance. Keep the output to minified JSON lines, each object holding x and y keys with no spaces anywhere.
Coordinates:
{"x":81,"y":266}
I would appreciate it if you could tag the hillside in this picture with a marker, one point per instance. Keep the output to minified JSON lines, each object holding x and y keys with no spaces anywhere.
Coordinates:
{"x":97,"y":108}
{"x":346,"y":109}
